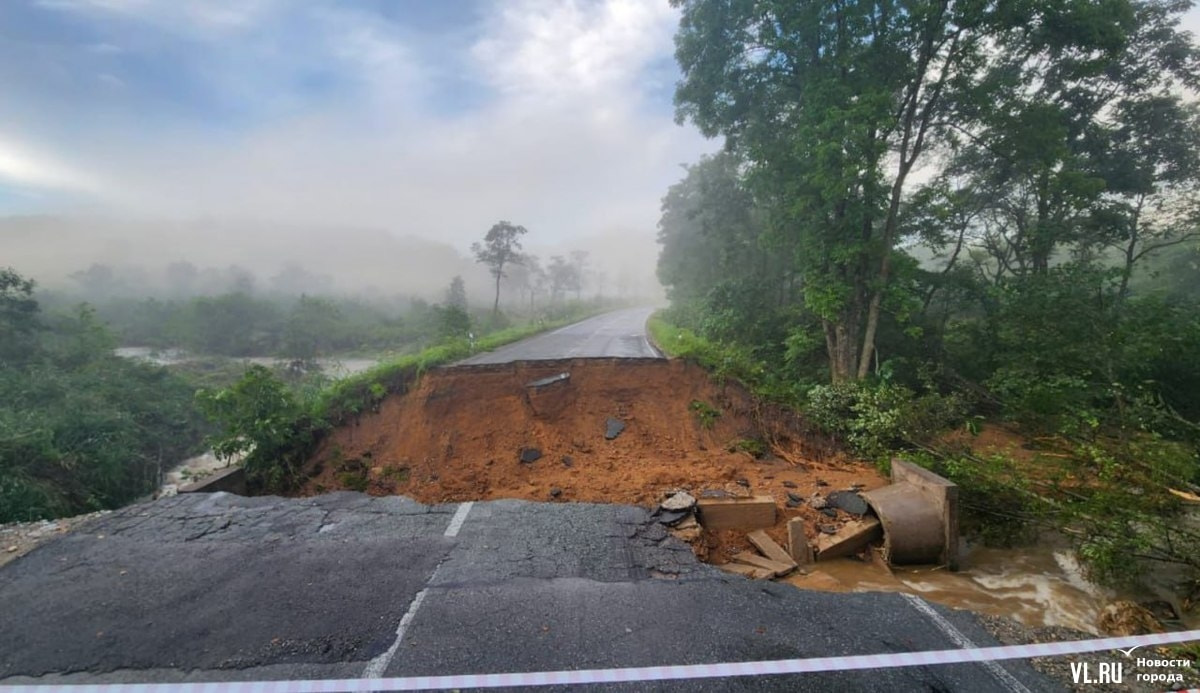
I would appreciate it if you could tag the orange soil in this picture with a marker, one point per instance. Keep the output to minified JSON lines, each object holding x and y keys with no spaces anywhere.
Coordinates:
{"x":993,"y":439}
{"x":458,"y":433}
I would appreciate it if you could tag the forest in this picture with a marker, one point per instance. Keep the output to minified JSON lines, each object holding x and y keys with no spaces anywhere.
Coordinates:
{"x":84,"y":429}
{"x":932,"y":222}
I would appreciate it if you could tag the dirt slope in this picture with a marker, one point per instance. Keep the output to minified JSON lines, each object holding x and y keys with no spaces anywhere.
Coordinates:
{"x":459,"y":434}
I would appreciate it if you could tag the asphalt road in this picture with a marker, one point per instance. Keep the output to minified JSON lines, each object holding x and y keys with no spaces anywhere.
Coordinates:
{"x":219,"y":587}
{"x":621,"y":333}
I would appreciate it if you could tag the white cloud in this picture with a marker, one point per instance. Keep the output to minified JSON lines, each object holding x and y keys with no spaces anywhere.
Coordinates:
{"x":567,"y":142}
{"x":548,"y":49}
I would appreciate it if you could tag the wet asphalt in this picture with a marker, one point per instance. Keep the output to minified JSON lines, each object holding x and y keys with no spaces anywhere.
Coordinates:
{"x":209,"y":587}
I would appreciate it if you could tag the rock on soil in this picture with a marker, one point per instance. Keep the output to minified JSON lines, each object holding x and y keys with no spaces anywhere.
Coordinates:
{"x":447,"y":429}
{"x":613,"y":428}
{"x":849,"y":501}
{"x":679,"y":501}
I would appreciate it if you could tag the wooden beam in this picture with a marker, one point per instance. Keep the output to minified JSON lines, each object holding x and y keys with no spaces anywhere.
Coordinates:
{"x":746,"y":570}
{"x":798,"y":547}
{"x":757,"y":561}
{"x":852,"y":537}
{"x":756,"y":512}
{"x":769,"y":548}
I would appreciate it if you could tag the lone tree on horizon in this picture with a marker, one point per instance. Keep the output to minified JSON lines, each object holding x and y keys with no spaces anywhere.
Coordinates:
{"x":501,"y":246}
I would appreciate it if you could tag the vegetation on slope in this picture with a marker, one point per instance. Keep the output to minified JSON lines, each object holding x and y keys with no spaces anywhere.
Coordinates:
{"x":1040,"y":274}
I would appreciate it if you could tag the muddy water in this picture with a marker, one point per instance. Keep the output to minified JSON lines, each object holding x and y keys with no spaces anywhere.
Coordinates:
{"x":200,"y":466}
{"x":188,"y":471}
{"x":1038,"y":586}
{"x":333,"y":367}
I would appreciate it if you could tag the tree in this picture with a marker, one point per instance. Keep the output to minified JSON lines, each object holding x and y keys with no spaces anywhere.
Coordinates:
{"x":18,"y":316}
{"x":311,"y":328}
{"x":456,"y":295}
{"x":97,"y":281}
{"x":579,"y":260}
{"x":708,"y":230}
{"x":563,"y":276}
{"x":501,"y":246}
{"x":181,"y":278}
{"x":529,"y":279}
{"x":833,"y":106}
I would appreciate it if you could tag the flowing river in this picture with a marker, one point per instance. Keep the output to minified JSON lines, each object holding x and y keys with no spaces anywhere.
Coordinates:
{"x":201,"y":465}
{"x":1040,"y":585}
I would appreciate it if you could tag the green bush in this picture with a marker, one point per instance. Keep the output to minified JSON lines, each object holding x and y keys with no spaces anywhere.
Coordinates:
{"x":878,"y":418}
{"x":80,"y":428}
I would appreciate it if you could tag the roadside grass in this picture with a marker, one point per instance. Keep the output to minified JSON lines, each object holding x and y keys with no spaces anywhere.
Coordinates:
{"x":723,"y":361}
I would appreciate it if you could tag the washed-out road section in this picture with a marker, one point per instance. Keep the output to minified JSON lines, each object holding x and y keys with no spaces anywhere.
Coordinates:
{"x":218,"y":587}
{"x":619,"y":334}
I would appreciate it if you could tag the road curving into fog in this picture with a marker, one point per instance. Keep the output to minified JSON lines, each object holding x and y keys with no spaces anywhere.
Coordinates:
{"x":619,"y":334}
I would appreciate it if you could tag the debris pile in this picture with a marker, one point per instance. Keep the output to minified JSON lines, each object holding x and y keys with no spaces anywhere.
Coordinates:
{"x":911,"y":521}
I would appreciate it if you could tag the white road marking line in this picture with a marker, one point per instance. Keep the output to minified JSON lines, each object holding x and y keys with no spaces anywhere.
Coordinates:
{"x":376,"y":667}
{"x":460,"y":516}
{"x":964,"y":642}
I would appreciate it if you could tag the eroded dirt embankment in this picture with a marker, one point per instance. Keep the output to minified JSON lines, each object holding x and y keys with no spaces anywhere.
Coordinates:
{"x":459,"y":435}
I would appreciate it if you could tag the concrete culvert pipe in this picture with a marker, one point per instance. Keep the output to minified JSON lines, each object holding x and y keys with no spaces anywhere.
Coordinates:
{"x":913,"y":531}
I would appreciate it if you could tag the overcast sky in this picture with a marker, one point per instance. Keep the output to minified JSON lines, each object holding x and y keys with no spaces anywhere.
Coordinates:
{"x":420,"y":116}
{"x":427,"y":117}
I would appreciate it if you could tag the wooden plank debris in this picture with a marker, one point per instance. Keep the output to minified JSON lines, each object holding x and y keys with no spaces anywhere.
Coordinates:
{"x":769,"y":548}
{"x":798,"y":547}
{"x":777,"y":569}
{"x":849,"y":539}
{"x":747,"y":570}
{"x":751,"y":513}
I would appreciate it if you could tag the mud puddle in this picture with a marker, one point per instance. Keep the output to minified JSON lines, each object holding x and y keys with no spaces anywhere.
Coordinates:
{"x":1037,"y":586}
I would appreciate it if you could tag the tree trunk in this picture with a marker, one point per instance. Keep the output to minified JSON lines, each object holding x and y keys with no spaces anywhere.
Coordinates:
{"x":496,"y":304}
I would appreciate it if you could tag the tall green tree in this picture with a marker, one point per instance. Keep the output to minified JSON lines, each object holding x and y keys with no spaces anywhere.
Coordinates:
{"x":18,"y":316}
{"x":835,"y":104}
{"x":501,"y":246}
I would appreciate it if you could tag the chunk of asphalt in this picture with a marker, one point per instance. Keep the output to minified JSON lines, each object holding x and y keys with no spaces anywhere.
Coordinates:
{"x":793,"y":504}
{"x":830,"y":512}
{"x":678,"y":502}
{"x":549,"y":381}
{"x":673,"y":517}
{"x":529,"y":455}
{"x":555,"y":492}
{"x":613,"y":428}
{"x":789,"y":484}
{"x":567,"y":460}
{"x":795,"y":497}
{"x":849,"y":501}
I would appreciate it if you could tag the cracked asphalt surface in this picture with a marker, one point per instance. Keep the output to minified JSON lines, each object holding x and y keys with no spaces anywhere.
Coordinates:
{"x":220,"y":587}
{"x":619,"y":334}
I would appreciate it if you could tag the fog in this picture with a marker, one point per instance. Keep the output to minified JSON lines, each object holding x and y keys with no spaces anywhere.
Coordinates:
{"x":371,"y":144}
{"x":144,"y":259}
